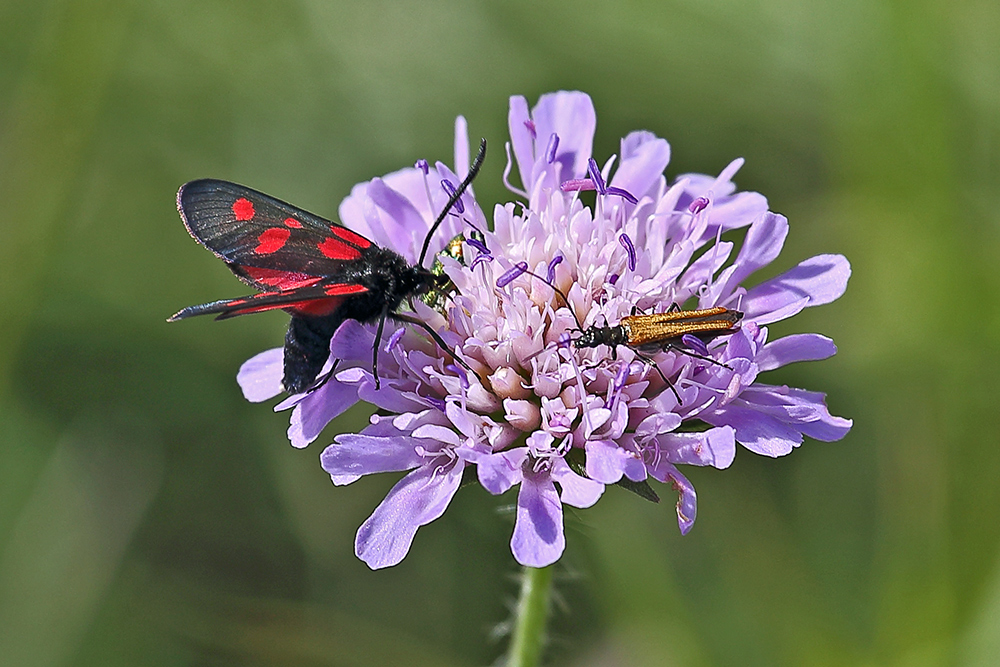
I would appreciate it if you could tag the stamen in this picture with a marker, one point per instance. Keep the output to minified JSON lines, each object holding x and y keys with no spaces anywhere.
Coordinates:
{"x":394,"y":339}
{"x":550,"y":152}
{"x":436,"y":402}
{"x":629,"y":248}
{"x":530,"y":124}
{"x":509,"y":277}
{"x":620,"y":377}
{"x":595,"y":176}
{"x":698,"y":205}
{"x":478,"y":245}
{"x":565,"y":341}
{"x":693,"y":342}
{"x":624,"y":194}
{"x":551,"y":275}
{"x":506,"y":174}
{"x":613,"y":279}
{"x":577,"y":184}
{"x":463,"y":377}
{"x":480,"y":258}
{"x":449,"y":187}
{"x":422,"y":165}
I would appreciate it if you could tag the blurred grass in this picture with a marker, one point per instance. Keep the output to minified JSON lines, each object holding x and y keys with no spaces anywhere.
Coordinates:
{"x":149,"y":516}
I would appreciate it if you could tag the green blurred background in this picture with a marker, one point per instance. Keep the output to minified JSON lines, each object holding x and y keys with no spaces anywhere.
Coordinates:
{"x":150,"y":516}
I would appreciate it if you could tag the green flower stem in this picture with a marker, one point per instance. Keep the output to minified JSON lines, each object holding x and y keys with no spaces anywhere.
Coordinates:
{"x":532,"y":615}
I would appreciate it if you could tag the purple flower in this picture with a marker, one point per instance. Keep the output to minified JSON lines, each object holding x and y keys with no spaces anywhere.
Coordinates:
{"x":559,"y":422}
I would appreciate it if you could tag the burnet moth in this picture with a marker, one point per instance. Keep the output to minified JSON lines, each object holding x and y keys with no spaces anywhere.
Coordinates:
{"x":683,"y":331}
{"x":318,"y":271}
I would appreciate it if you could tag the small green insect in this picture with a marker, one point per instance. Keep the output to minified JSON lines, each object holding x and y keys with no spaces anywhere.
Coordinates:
{"x":437,"y":297}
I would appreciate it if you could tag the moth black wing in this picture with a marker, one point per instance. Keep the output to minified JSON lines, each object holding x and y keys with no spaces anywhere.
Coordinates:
{"x":266,"y":242}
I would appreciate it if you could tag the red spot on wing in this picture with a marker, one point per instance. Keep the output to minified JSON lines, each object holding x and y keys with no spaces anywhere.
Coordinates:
{"x":293,"y":223}
{"x":349,"y":236}
{"x":243,"y":209}
{"x":337,"y":249}
{"x":271,"y":240}
{"x":318,"y":307}
{"x":281,"y":279}
{"x":341,"y":289}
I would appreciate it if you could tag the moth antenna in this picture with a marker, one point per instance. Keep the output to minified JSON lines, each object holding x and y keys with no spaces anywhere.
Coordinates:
{"x":476,"y":164}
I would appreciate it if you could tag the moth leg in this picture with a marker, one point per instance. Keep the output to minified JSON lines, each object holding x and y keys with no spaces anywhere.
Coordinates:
{"x":400,"y":317}
{"x":323,"y":379}
{"x":378,"y":343}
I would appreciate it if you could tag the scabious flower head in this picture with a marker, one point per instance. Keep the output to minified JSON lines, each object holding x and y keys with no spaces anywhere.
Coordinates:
{"x":559,"y":422}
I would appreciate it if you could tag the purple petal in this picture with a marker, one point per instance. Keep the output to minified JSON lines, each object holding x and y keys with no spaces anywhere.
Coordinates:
{"x":577,"y":491}
{"x":805,"y":410}
{"x":521,"y":138}
{"x":260,"y":376}
{"x":687,"y":499}
{"x":715,"y":447}
{"x":538,"y":538}
{"x":821,"y":279}
{"x":416,"y":500}
{"x":354,"y":454}
{"x":794,"y":348}
{"x":607,"y":462}
{"x":318,"y":409}
{"x":758,"y":432}
{"x":498,"y":472}
{"x":571,"y":116}
{"x":403,"y":222}
{"x":763,"y":242}
{"x":644,"y":157}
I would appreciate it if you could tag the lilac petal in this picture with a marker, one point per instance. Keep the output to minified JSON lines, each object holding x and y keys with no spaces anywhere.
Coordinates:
{"x":260,"y":376}
{"x":805,"y":410}
{"x":538,"y":538}
{"x":715,"y":447}
{"x":607,"y":462}
{"x":461,"y":145}
{"x":763,"y":242}
{"x":356,"y":454}
{"x":352,"y":341}
{"x":644,"y":157}
{"x":822,"y":279}
{"x":571,"y":116}
{"x":687,"y":499}
{"x":794,"y":348}
{"x":498,"y":472}
{"x":521,"y":139}
{"x":577,"y":490}
{"x":404,"y":221}
{"x":758,"y":432}
{"x":419,"y":498}
{"x":318,"y":409}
